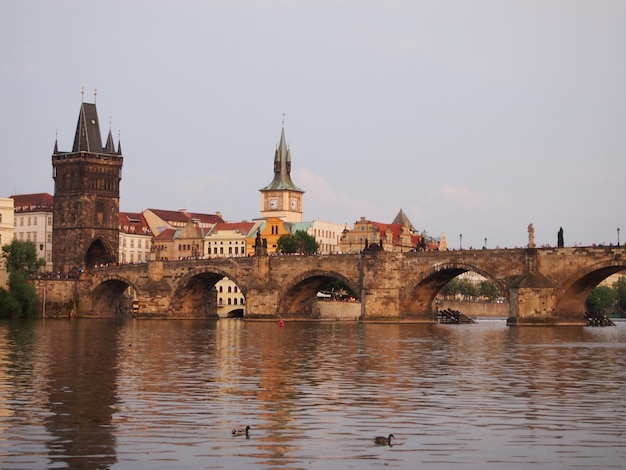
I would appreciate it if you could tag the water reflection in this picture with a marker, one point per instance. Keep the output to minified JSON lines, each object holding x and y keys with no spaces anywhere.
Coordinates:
{"x":166,"y":394}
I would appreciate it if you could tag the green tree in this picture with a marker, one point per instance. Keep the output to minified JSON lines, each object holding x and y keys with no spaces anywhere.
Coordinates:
{"x":601,"y":299}
{"x":24,"y":293}
{"x":21,"y":256}
{"x":9,"y":306}
{"x":489,"y":290}
{"x":286,"y":243}
{"x":300,"y":242}
{"x":21,"y":262}
{"x":620,"y":287}
{"x":468,"y":289}
{"x":451,"y":289}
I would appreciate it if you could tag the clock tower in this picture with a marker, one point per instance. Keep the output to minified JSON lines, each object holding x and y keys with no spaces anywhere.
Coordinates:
{"x":281,"y":198}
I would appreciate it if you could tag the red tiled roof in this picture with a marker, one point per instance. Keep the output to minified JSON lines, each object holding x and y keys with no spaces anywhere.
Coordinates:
{"x":38,"y":202}
{"x":133,"y":223}
{"x":167,"y":234}
{"x":243,"y":227}
{"x":184,"y":217}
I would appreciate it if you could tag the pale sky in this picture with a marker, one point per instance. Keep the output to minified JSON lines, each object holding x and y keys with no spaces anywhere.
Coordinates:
{"x":474,"y":117}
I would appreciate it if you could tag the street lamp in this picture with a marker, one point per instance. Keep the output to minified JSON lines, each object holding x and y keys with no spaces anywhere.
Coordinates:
{"x":617,"y":236}
{"x":460,"y":241}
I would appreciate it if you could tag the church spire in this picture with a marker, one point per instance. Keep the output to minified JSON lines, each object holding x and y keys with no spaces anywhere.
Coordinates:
{"x":110,"y":145}
{"x":282,"y":167}
{"x":87,"y":138}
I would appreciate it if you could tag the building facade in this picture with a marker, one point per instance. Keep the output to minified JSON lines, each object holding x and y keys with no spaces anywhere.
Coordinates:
{"x":34,"y":221}
{"x":328,"y":236}
{"x":135,"y":238}
{"x":229,"y":239}
{"x":398,"y":236}
{"x":7,"y":226}
{"x":86,"y":197}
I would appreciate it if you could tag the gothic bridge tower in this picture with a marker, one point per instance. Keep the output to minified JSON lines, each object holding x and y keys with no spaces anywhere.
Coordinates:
{"x":86,"y":197}
{"x":282,"y":198}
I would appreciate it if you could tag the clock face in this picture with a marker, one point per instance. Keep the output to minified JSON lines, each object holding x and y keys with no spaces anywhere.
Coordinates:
{"x":294,"y":204}
{"x":273,"y":203}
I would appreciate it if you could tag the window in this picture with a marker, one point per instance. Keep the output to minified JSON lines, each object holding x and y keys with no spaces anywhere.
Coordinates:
{"x":49,"y":220}
{"x":0,"y":217}
{"x":34,"y":220}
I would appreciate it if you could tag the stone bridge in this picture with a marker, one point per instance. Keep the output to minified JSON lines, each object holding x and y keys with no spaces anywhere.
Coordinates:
{"x":542,"y":285}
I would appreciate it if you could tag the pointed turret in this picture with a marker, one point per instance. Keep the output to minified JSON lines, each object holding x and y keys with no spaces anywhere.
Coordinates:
{"x":110,"y":146}
{"x":87,"y":138}
{"x":282,"y":168}
{"x":402,"y":219}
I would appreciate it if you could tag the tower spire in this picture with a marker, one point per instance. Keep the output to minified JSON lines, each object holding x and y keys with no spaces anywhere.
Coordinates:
{"x":282,"y":166}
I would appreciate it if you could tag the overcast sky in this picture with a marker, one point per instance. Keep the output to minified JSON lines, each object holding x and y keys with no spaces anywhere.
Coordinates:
{"x":474,"y":117}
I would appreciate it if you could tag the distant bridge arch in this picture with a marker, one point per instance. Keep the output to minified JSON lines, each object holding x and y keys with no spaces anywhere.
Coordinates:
{"x":298,"y":297}
{"x":576,"y":288}
{"x":420,"y":293}
{"x":111,"y":297}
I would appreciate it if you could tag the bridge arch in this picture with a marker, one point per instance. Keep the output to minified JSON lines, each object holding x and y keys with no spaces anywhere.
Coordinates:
{"x":195,"y":294}
{"x":113,"y":297}
{"x":99,"y":252}
{"x":299,"y":297}
{"x":571,"y":296}
{"x":419,"y":295}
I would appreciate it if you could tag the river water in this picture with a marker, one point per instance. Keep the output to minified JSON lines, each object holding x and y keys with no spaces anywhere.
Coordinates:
{"x":139,"y":394}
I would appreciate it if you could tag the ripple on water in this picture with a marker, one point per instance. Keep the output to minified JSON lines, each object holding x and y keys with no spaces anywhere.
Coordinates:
{"x":167,"y":395}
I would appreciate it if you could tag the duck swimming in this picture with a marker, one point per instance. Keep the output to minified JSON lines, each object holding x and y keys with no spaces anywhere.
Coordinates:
{"x":241,"y":431}
{"x":383,"y":441}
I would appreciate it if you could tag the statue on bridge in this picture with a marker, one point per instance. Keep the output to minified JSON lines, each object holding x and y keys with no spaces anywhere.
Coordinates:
{"x":531,"y":236}
{"x":260,"y":246}
{"x":559,"y":238}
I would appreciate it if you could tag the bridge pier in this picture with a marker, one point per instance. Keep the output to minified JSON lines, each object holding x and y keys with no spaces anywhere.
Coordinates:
{"x":533,"y":302}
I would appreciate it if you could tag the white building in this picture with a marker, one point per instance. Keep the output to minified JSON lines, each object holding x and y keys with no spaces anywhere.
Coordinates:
{"x":228,"y":240}
{"x":33,"y":222}
{"x":326,"y":234}
{"x":7,"y":226}
{"x":135,"y":238}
